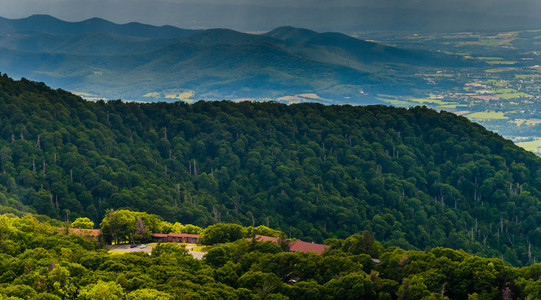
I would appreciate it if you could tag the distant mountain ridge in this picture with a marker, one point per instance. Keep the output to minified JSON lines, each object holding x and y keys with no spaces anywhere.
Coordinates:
{"x":49,"y":24}
{"x":143,"y":62}
{"x":291,"y":34}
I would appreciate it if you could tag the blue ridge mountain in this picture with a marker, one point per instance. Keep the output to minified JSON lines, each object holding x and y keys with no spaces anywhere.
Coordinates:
{"x":143,"y":62}
{"x":49,"y":24}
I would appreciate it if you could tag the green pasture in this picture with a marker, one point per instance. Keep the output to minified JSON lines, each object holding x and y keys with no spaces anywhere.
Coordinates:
{"x":397,"y":102}
{"x":204,"y":249}
{"x":507,"y":94}
{"x":529,"y":122}
{"x":502,"y":62}
{"x":527,"y":76}
{"x":499,"y":70}
{"x":533,"y":145}
{"x":487,"y":115}
{"x":408,"y":102}
{"x":489,"y":58}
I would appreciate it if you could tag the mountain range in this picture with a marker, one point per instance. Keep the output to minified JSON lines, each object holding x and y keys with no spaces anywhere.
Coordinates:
{"x":420,"y":16}
{"x":167,"y":63}
{"x":49,"y":24}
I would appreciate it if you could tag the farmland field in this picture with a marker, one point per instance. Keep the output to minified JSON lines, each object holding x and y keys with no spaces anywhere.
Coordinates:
{"x":503,"y":93}
{"x":533,"y":145}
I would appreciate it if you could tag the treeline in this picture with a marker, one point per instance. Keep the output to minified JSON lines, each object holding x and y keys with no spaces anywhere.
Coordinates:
{"x":413,"y":178}
{"x":37,"y":262}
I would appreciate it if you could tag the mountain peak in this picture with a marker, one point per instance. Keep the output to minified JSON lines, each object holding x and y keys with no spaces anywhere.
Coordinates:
{"x":291,"y":34}
{"x":221,"y":36}
{"x":38,"y":20}
{"x":41,"y":17}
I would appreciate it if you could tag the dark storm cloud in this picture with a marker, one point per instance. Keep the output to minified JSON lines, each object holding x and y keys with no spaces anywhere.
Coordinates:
{"x":267,"y":14}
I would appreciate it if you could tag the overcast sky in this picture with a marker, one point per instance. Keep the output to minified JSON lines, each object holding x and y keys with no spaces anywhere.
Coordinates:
{"x":253,"y":14}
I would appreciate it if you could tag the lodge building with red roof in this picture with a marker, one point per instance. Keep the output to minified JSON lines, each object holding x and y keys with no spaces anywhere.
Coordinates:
{"x":176,"y":238}
{"x":93,"y":235}
{"x":297,"y":245}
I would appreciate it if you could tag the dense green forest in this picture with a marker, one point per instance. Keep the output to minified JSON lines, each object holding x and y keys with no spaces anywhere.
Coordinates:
{"x":414,"y":178}
{"x":36,"y":262}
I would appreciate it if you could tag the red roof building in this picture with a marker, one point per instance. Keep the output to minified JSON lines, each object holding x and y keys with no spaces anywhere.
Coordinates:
{"x":176,"y":238}
{"x":296,"y":245}
{"x":264,"y":238}
{"x":307,"y":247}
{"x":159,"y":235}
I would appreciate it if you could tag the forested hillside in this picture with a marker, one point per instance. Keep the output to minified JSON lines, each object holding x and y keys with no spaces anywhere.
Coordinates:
{"x":414,"y":178}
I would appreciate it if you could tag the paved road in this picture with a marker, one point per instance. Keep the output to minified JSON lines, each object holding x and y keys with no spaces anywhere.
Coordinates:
{"x":127,"y":248}
{"x":195,"y":254}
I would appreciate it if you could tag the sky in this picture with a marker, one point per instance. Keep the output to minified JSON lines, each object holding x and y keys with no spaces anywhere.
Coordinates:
{"x":253,"y":15}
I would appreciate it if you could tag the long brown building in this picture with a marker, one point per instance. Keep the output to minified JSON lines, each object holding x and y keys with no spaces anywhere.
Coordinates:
{"x":176,"y":238}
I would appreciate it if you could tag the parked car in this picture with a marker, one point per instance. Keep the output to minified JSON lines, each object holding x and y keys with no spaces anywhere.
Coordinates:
{"x":133,"y":245}
{"x":143,"y":246}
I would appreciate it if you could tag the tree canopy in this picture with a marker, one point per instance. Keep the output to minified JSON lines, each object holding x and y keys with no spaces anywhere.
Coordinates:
{"x":84,"y":223}
{"x":38,"y":262}
{"x":413,"y":178}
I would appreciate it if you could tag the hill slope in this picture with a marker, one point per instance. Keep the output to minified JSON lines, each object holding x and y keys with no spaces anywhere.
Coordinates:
{"x":80,"y":44}
{"x":87,"y":56}
{"x":215,"y":71}
{"x":413,"y":177}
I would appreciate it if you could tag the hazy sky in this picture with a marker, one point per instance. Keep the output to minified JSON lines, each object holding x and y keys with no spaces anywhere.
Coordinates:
{"x":255,"y":14}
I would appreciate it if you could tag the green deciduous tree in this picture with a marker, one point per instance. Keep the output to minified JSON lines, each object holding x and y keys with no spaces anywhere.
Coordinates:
{"x":223,"y":233}
{"x":85,"y":223}
{"x":103,"y":291}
